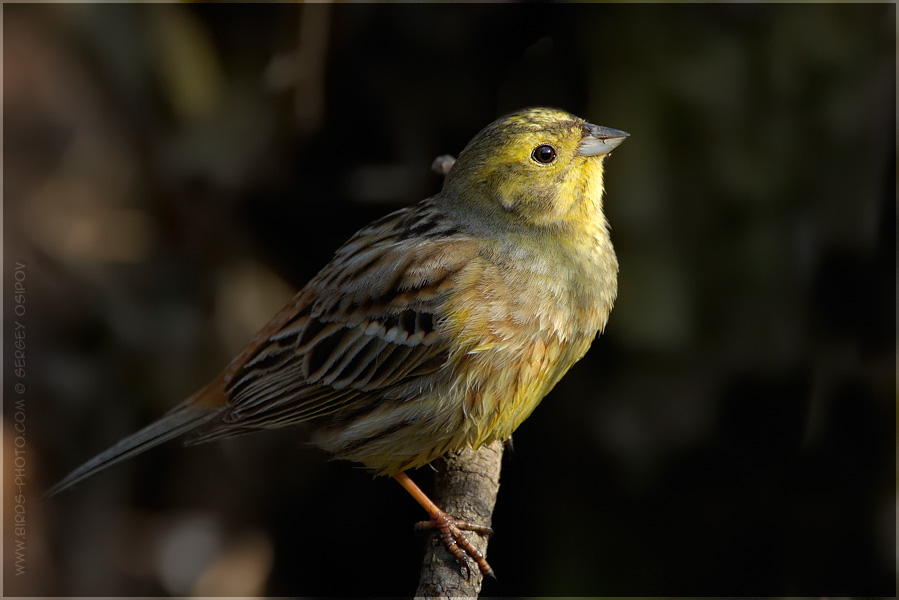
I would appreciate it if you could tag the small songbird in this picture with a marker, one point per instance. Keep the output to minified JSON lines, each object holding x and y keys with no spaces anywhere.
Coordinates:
{"x":438,"y":327}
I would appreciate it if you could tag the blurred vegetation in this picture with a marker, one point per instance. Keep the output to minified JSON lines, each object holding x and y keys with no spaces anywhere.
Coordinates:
{"x":173,"y":172}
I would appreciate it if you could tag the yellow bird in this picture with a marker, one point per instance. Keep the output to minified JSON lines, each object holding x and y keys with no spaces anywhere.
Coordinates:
{"x":438,"y":327}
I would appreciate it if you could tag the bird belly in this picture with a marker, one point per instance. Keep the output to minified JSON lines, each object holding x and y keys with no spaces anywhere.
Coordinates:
{"x":478,"y":397}
{"x":509,"y":348}
{"x":505,"y":400}
{"x":400,"y":430}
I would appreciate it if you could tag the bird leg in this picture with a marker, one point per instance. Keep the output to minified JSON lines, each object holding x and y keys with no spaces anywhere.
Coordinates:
{"x":449,"y":527}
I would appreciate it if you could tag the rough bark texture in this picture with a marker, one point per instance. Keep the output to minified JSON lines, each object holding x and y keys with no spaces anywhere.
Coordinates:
{"x":466,"y":487}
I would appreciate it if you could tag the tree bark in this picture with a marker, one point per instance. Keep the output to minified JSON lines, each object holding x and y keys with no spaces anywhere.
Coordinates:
{"x":466,"y":486}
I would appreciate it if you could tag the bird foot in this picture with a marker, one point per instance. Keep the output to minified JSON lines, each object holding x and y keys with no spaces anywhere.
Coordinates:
{"x":451,"y":532}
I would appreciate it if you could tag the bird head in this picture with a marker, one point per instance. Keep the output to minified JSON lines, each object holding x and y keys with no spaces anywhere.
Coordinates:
{"x":535,"y":168}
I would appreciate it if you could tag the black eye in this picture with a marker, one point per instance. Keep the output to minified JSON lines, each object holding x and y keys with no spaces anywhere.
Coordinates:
{"x":544,"y":154}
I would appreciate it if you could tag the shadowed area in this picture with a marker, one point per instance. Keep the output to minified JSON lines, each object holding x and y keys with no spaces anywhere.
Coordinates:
{"x":172,"y":173}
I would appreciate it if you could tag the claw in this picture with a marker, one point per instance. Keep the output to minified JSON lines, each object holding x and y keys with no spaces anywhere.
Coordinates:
{"x":450,"y":530}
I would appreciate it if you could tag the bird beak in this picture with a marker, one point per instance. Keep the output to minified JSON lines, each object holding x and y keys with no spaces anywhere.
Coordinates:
{"x":598,"y":140}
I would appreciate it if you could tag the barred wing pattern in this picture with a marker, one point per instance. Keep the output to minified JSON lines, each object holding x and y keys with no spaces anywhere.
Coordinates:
{"x":361,"y":333}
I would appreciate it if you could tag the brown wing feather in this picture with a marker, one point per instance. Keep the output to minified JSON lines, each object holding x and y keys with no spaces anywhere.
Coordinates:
{"x":366,"y":324}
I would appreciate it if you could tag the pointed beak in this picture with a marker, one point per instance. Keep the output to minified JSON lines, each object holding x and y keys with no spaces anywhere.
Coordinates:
{"x":598,"y":141}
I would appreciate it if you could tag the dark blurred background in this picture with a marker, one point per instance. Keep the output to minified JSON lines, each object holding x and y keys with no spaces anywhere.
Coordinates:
{"x":174,"y":172}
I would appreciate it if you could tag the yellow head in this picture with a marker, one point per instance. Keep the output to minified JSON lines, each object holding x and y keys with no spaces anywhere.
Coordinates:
{"x":534,"y":168}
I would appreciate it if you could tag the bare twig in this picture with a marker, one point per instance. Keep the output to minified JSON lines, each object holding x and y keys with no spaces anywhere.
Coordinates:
{"x":466,"y":486}
{"x":303,"y":69}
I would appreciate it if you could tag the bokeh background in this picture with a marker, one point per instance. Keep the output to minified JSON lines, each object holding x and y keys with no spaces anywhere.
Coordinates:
{"x":172,"y":173}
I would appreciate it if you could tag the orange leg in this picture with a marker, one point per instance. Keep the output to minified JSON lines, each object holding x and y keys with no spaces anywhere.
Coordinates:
{"x":449,"y":527}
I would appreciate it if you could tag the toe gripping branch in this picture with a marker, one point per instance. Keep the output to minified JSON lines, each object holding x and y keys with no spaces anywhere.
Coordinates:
{"x":450,"y":528}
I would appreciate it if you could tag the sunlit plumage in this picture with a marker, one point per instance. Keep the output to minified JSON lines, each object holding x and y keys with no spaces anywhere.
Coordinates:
{"x":438,"y":327}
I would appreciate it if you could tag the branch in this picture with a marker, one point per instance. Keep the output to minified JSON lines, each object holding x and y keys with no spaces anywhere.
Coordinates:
{"x":466,"y":486}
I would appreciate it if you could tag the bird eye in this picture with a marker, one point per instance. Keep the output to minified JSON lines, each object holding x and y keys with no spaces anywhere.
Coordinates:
{"x":544,"y":154}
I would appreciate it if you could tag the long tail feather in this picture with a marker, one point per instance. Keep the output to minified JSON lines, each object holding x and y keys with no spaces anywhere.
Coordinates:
{"x":178,"y":421}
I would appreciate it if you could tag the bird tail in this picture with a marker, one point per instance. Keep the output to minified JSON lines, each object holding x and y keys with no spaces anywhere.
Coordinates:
{"x":180,"y":420}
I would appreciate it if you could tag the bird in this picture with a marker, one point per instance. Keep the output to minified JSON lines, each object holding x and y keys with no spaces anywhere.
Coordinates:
{"x":438,"y":327}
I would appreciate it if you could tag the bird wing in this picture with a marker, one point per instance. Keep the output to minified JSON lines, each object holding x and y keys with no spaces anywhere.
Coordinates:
{"x":367,"y":324}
